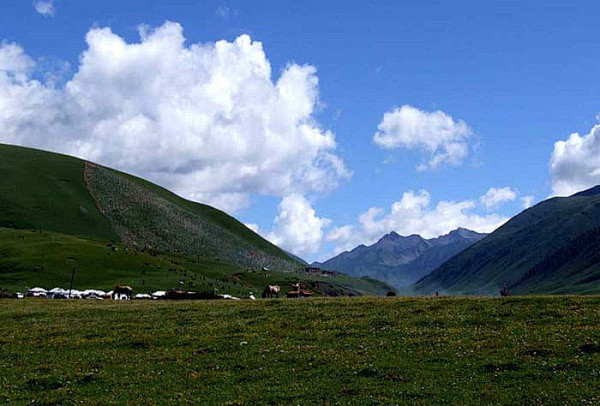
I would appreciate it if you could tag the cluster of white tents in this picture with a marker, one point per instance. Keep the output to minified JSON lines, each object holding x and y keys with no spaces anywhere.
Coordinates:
{"x":60,"y":293}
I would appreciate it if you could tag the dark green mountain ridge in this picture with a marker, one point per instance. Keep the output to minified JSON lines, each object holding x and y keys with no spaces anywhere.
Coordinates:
{"x":552,"y":247}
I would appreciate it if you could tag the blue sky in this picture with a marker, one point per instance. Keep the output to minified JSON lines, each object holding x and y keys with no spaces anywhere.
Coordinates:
{"x":519,"y":76}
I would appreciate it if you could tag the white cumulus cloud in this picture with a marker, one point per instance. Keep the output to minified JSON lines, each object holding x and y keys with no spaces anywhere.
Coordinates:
{"x":575,"y":163}
{"x":496,"y":196}
{"x":297,"y":228}
{"x":414,"y":213}
{"x":445,"y":140}
{"x":44,"y":7}
{"x":207,"y":120}
{"x":13,"y":61}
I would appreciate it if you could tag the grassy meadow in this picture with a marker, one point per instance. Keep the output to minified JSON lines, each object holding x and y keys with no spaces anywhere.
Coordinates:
{"x":367,"y":351}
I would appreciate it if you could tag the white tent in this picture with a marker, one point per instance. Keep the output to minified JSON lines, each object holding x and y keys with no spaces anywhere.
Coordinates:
{"x":95,"y":292}
{"x":229,"y":297}
{"x":74,"y":294}
{"x":159,"y":294}
{"x":57,"y":293}
{"x":37,"y":292}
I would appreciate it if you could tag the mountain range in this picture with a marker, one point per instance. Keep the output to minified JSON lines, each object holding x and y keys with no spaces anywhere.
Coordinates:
{"x":400,"y":261}
{"x":553,"y":247}
{"x":61,"y":216}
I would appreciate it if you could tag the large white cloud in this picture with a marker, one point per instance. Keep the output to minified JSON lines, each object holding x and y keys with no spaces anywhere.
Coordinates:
{"x":205,"y":120}
{"x":575,"y":163}
{"x":413,"y":214}
{"x":496,"y":196}
{"x":445,"y":140}
{"x":297,"y":227}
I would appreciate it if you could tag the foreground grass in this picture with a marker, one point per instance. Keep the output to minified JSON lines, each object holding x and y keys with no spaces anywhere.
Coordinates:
{"x":321,"y":351}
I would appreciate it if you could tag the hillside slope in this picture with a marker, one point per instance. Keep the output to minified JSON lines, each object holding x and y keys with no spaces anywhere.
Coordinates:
{"x":59,"y":213}
{"x":401,"y":261}
{"x":58,"y":193}
{"x":44,"y":191}
{"x":549,"y":248}
{"x":145,"y":215}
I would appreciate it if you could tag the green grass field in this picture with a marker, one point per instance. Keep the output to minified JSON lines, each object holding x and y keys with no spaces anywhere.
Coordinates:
{"x":366,"y":351}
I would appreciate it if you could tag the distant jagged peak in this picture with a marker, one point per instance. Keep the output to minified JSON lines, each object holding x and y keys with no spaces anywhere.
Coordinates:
{"x":594,"y":191}
{"x":358,"y":248}
{"x":393,"y":241}
{"x":460,"y":234}
{"x":394,"y":236}
{"x":465,"y":233}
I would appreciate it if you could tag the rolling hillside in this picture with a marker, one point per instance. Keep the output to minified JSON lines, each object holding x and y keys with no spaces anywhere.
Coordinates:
{"x":552,"y":247}
{"x":58,"y":213}
{"x":58,"y":193}
{"x":401,"y":261}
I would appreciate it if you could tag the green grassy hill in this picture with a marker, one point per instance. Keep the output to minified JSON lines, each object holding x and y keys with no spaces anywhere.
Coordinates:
{"x":146,"y":215}
{"x":52,"y":192}
{"x":44,"y":191}
{"x":58,"y":213}
{"x":549,"y":248}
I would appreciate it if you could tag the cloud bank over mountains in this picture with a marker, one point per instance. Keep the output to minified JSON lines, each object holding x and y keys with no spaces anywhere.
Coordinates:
{"x":207,"y":121}
{"x":414,"y":213}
